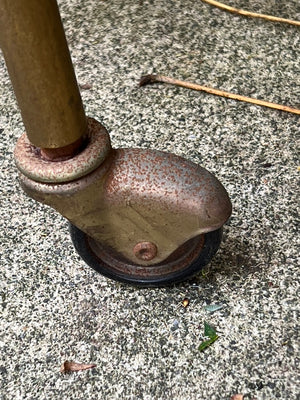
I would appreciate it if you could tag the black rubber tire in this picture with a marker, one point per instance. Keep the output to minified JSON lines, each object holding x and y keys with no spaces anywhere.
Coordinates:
{"x":212,"y":241}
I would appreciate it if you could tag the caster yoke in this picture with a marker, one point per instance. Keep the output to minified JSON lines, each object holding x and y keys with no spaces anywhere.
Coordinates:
{"x":152,"y":212}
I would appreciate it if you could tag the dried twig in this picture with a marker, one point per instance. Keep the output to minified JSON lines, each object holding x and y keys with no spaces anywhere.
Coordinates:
{"x":250,"y":14}
{"x":69,"y":366}
{"x":147,"y":79}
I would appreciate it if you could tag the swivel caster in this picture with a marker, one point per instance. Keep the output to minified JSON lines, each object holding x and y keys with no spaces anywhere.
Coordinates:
{"x":182,"y":264}
{"x":143,"y":217}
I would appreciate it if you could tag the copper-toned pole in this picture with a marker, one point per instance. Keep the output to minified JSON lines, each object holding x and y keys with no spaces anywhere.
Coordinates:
{"x":33,"y":42}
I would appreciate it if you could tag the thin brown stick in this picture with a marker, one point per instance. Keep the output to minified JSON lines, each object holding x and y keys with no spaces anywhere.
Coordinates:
{"x":250,"y":14}
{"x":147,"y":79}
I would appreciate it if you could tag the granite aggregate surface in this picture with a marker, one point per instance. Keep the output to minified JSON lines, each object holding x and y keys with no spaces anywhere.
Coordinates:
{"x":53,"y":307}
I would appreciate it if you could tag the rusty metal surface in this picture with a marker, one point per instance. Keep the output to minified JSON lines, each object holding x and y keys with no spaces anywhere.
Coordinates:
{"x":139,"y":196}
{"x":145,"y":251}
{"x":31,"y":164}
{"x":148,"y":177}
{"x":65,"y":152}
{"x":180,"y":259}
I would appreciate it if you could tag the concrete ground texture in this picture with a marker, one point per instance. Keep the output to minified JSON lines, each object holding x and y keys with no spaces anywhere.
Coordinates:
{"x":144,"y":342}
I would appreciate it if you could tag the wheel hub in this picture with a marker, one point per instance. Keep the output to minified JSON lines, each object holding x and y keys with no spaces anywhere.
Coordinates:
{"x":182,"y":264}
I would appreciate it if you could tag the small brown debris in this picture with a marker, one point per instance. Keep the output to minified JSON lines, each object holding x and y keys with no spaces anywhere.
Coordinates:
{"x":69,"y":366}
{"x":267,"y":165}
{"x":185,"y":302}
{"x":85,"y":86}
{"x":237,"y":397}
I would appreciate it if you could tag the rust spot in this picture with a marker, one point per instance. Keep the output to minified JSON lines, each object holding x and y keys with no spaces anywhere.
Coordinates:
{"x":39,"y":165}
{"x":180,"y":259}
{"x":63,"y":153}
{"x":145,"y":251}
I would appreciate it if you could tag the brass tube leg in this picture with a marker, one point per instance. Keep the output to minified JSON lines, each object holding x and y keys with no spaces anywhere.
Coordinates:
{"x":33,"y":42}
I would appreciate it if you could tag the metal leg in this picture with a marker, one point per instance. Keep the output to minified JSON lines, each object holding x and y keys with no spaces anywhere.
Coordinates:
{"x":38,"y":61}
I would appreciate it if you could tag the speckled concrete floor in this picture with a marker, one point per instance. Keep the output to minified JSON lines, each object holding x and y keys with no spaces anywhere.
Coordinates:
{"x":54,"y":307}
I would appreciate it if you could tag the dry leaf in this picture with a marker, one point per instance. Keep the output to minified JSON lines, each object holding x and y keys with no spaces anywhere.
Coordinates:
{"x":69,"y":366}
{"x":237,"y":397}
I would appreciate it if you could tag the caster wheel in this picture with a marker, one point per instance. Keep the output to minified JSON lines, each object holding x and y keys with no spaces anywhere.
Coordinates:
{"x":181,"y":265}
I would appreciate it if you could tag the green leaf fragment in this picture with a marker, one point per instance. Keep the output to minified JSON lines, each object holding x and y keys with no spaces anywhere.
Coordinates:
{"x":207,"y":343}
{"x":209,"y":332}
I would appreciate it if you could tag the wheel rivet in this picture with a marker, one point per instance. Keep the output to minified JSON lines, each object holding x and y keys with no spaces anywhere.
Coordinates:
{"x":145,"y":251}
